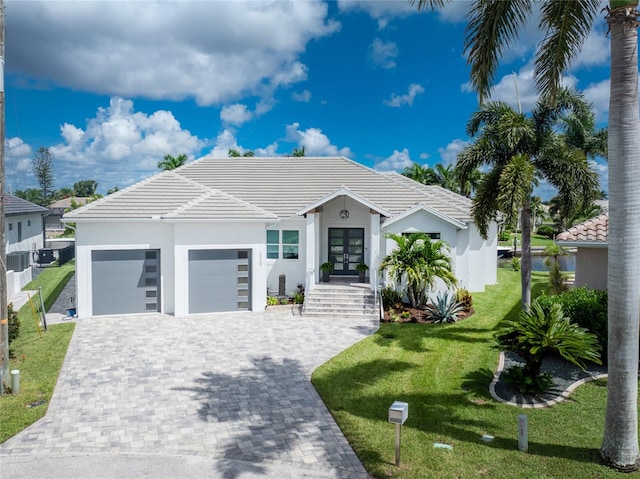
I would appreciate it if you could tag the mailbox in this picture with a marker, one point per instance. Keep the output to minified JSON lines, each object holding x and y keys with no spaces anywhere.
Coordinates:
{"x":398,"y":412}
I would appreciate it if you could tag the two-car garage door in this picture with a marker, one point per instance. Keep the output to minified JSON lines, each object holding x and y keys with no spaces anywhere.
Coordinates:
{"x":128,"y":281}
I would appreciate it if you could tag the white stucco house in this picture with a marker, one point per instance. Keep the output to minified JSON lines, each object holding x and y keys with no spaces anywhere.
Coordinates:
{"x":591,"y":240}
{"x":24,"y":233}
{"x":216,"y":234}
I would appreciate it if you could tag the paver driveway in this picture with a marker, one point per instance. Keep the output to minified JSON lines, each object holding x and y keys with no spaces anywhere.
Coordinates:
{"x":226,"y":395}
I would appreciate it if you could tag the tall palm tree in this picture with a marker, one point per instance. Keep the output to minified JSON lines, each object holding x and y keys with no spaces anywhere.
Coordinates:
{"x":519,"y":149}
{"x":172,"y":162}
{"x":444,"y":176}
{"x":493,"y":27}
{"x":419,"y":261}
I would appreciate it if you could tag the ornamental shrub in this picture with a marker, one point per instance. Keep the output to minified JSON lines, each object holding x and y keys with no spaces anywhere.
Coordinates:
{"x":546,"y":231}
{"x":585,"y":307}
{"x":390,"y":297}
{"x":14,"y":323}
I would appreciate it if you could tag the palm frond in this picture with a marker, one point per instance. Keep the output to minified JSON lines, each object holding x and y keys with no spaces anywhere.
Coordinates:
{"x":492,"y":28}
{"x":516,"y":183}
{"x":566,"y":25}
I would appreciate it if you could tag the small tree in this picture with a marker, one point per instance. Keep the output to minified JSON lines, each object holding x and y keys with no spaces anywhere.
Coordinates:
{"x":419,"y":261}
{"x":535,"y":335}
{"x":43,"y":170}
{"x":85,"y":188}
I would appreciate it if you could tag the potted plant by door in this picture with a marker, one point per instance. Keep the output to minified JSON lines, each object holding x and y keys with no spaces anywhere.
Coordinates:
{"x":326,"y":269}
{"x":362,"y":269}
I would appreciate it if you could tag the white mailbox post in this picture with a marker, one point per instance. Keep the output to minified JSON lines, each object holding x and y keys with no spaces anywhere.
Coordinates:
{"x":398,"y":414}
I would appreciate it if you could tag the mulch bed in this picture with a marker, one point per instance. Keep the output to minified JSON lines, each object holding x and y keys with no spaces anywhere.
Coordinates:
{"x":418,"y":315}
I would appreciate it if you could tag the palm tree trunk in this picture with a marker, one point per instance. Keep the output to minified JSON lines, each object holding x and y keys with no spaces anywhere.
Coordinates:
{"x":620,"y":442}
{"x":525,"y":259}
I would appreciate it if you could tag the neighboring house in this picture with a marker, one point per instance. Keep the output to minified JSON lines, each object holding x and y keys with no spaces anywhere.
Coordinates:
{"x":24,"y":236}
{"x":53,"y":225}
{"x":591,"y":240}
{"x":216,"y":234}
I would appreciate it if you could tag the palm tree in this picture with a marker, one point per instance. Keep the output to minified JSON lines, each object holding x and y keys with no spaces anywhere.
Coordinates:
{"x":520,"y":149}
{"x":417,"y":173}
{"x":172,"y":162}
{"x":492,"y":28}
{"x":419,"y":261}
{"x":445,"y":177}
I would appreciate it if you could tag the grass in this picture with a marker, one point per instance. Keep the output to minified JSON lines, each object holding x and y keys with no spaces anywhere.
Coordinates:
{"x":536,"y":240}
{"x":38,"y":356}
{"x":443,"y":372}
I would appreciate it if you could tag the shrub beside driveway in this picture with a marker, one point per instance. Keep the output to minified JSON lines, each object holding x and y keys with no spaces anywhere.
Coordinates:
{"x":38,"y":356}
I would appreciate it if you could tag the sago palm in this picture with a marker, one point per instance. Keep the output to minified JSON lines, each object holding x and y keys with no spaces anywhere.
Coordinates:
{"x":493,"y":27}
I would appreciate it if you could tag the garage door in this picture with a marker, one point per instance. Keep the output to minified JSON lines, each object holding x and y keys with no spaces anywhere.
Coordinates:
{"x":219,"y":280}
{"x":125,"y":281}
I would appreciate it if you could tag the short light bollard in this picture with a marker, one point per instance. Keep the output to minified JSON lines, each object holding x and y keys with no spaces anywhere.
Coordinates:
{"x":523,"y":433}
{"x":398,"y":414}
{"x":15,"y":381}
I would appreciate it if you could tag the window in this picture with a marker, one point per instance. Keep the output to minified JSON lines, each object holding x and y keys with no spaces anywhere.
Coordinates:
{"x":28,"y":222}
{"x":19,"y":231}
{"x":273,"y":242}
{"x":433,"y":236}
{"x":10,"y":226}
{"x":288,"y":248}
{"x":290,"y":244}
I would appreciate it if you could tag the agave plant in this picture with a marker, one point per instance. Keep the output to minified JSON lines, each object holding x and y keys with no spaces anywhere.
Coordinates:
{"x":445,"y":309}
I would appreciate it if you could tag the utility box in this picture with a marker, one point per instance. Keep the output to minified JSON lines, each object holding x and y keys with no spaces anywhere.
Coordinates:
{"x":398,"y":412}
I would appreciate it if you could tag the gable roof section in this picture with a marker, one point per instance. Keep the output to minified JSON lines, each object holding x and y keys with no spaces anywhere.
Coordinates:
{"x":429,"y":209}
{"x":259,"y":187}
{"x":14,"y":206}
{"x":593,"y":232}
{"x":343,"y":191}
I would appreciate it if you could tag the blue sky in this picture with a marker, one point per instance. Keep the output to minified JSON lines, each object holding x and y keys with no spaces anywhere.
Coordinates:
{"x":111,"y":87}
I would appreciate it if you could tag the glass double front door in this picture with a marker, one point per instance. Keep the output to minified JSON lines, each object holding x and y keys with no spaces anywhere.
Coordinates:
{"x":346,"y":249}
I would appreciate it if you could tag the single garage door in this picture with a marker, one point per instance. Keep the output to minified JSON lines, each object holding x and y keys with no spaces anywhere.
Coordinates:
{"x":125,"y":281}
{"x":219,"y":280}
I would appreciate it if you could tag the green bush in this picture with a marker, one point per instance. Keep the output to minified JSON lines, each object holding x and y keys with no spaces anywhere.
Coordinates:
{"x":463,"y":296}
{"x":515,"y":263}
{"x":14,"y":323}
{"x":298,"y":298}
{"x":504,"y":236}
{"x":390,"y":297}
{"x":585,"y":307}
{"x":546,"y":231}
{"x":272,"y":300}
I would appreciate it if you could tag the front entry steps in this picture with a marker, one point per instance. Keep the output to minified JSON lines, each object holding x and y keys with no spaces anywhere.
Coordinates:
{"x":340,"y":300}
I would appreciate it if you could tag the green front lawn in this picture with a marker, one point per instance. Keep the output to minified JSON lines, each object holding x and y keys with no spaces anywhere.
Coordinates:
{"x":443,"y":372}
{"x":38,"y":356}
{"x":536,"y":240}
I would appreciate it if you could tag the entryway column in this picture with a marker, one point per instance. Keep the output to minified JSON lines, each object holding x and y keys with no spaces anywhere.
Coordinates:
{"x":310,"y":253}
{"x":374,"y":249}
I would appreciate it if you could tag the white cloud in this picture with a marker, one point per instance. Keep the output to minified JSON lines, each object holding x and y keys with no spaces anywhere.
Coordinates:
{"x":229,"y":49}
{"x":397,"y":101}
{"x":314,"y":141}
{"x":449,"y":153}
{"x":119,"y":145}
{"x":235,"y":114}
{"x":398,"y":160}
{"x":225,"y":141}
{"x":383,"y":53}
{"x":303,"y":96}
{"x":424,"y":156}
{"x":381,"y":10}
{"x":595,"y":51}
{"x":598,"y":94}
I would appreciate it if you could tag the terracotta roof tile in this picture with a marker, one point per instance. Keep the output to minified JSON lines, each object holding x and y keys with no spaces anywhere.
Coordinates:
{"x":593,"y":230}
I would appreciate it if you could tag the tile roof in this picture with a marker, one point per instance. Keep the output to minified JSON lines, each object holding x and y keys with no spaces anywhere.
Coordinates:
{"x":14,"y":206}
{"x":595,"y":230}
{"x":265,"y":188}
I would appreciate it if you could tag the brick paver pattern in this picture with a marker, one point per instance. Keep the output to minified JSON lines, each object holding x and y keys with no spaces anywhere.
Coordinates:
{"x":233,"y":386}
